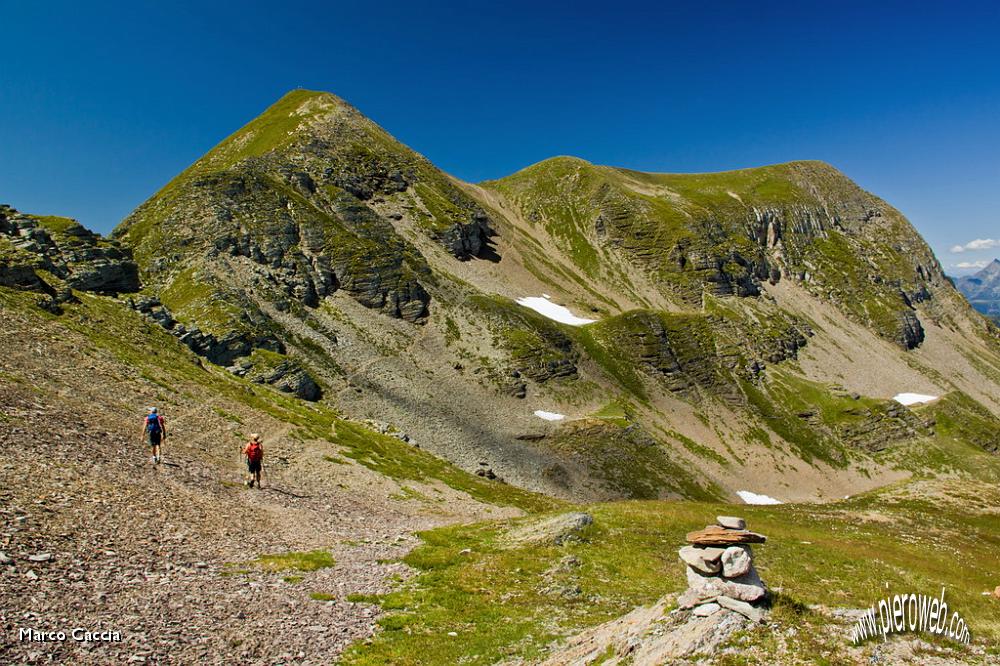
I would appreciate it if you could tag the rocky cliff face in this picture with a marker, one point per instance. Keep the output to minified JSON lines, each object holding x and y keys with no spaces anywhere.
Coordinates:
{"x":47,"y":254}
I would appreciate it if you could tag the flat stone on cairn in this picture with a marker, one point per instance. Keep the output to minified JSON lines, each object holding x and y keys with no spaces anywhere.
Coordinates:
{"x":716,"y":535}
{"x":720,"y":571}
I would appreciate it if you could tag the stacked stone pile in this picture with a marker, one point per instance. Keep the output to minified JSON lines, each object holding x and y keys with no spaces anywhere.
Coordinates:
{"x":720,"y":571}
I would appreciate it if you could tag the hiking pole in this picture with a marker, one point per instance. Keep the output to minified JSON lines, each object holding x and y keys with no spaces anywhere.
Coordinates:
{"x":239,"y":456}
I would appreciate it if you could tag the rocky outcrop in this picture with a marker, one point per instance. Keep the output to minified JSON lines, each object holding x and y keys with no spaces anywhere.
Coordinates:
{"x":19,"y":272}
{"x":287,"y":376}
{"x":650,"y":636}
{"x":678,"y":350}
{"x":909,"y":332}
{"x":78,"y":258}
{"x":467,"y":240}
{"x":304,"y":255}
{"x":881,"y":427}
{"x":222,"y":350}
{"x":840,"y":252}
{"x":554,"y":531}
{"x":234,"y":351}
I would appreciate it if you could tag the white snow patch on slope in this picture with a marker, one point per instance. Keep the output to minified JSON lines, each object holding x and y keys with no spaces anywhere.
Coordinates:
{"x":554,"y":311}
{"x":754,"y":498}
{"x":549,"y":416}
{"x":913,"y":398}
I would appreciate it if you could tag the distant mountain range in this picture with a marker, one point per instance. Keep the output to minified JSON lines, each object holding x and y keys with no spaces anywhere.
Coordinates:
{"x":983,"y":289}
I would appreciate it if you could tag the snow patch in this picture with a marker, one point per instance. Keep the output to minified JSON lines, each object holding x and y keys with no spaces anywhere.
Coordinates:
{"x":913,"y":398}
{"x":554,"y":311}
{"x":549,"y":416}
{"x":754,"y":498}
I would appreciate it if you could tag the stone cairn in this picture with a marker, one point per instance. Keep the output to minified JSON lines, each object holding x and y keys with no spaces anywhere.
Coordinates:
{"x":720,"y":571}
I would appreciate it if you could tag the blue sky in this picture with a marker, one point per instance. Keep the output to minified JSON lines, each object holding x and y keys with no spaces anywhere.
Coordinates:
{"x":102,"y":103}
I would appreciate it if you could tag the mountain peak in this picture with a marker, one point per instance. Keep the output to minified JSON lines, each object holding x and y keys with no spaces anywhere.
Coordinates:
{"x":276,"y":126}
{"x":982,"y":289}
{"x":990,"y":270}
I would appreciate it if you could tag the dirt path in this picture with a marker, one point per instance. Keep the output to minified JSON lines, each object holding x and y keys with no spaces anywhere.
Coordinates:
{"x":154,"y":553}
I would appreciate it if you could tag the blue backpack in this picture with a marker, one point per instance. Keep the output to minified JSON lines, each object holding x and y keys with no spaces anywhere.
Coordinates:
{"x":153,"y":424}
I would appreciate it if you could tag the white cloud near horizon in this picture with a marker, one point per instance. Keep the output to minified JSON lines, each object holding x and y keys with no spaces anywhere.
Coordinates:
{"x":978,"y":244}
{"x":971,"y":264}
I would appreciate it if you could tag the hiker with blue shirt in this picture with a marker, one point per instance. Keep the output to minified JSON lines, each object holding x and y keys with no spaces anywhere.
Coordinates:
{"x":154,"y":431}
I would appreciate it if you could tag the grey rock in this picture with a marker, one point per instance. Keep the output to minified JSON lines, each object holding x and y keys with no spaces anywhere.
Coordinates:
{"x":81,"y":258}
{"x":691,"y":598}
{"x":556,"y":530}
{"x":289,"y":377}
{"x":731,"y":522}
{"x":705,"y":560}
{"x":745,"y":588}
{"x":736,"y":561}
{"x":704,"y":610}
{"x":910,"y":332}
{"x":40,"y":557}
{"x":752,"y":613}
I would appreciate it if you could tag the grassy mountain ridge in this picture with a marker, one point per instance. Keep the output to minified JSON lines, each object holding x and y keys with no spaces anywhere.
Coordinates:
{"x":725,"y":233}
{"x":256,"y":245}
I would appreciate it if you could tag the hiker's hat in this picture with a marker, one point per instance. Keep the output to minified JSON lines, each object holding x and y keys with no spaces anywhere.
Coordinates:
{"x":255,"y":437}
{"x":152,"y":410}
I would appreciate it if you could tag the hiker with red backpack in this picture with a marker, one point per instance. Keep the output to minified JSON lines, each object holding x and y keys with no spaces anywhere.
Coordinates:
{"x":154,"y":431}
{"x":254,"y":452}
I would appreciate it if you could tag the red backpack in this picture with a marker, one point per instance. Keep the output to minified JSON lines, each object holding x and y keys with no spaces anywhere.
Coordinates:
{"x":254,"y":452}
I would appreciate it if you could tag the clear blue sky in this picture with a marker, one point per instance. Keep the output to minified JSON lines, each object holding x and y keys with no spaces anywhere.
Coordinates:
{"x":102,"y":103}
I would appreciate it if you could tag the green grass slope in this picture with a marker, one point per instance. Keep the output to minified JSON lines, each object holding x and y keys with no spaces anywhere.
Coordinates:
{"x":725,"y":233}
{"x":478,"y":601}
